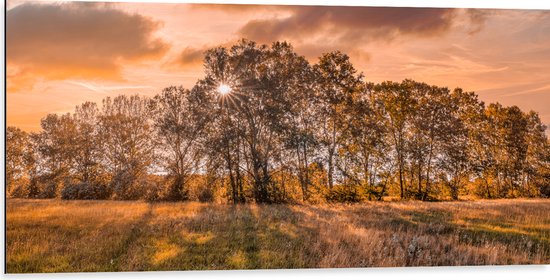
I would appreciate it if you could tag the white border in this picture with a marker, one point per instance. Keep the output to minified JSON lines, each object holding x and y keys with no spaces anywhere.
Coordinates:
{"x":424,"y":273}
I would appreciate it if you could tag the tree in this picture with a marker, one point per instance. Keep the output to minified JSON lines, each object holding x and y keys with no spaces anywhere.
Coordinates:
{"x":254,"y":113}
{"x":364,"y":142}
{"x":432,"y":121}
{"x":87,"y":162}
{"x":179,"y":120}
{"x":224,"y":138}
{"x":126,"y":129}
{"x":399,"y":106}
{"x":19,"y":162}
{"x":536,"y":173}
{"x":505,"y":151}
{"x":337,"y":81}
{"x":57,"y":148}
{"x":459,"y":139}
{"x":300,"y":138}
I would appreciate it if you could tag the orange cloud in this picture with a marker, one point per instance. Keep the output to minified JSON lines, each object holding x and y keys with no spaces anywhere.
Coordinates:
{"x":189,"y":57}
{"x":75,"y":40}
{"x":192,"y":57}
{"x":351,"y":23}
{"x":240,"y":8}
{"x":478,"y":17}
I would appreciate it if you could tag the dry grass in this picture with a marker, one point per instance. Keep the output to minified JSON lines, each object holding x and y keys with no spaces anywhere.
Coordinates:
{"x":55,"y":236}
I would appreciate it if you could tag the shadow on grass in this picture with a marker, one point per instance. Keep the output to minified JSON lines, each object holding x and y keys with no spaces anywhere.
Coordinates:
{"x":73,"y":242}
{"x":514,"y":237}
{"x":485,"y":234}
{"x":224,"y":237}
{"x":390,"y":218}
{"x":480,"y":232}
{"x":114,"y":262}
{"x":284,"y":236}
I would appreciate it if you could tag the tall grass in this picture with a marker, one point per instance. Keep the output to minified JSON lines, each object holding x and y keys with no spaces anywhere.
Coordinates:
{"x":64,"y":236}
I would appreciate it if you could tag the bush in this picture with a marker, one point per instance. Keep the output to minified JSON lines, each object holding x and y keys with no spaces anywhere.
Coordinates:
{"x":50,"y":190}
{"x":177,"y":190}
{"x":154,"y":188}
{"x":206,"y":194}
{"x":346,"y":194}
{"x":19,"y":188}
{"x":44,"y":186}
{"x":85,"y":190}
{"x":127,"y":186}
{"x":544,"y":190}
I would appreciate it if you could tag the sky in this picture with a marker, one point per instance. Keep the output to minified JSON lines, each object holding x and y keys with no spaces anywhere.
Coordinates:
{"x":60,"y":54}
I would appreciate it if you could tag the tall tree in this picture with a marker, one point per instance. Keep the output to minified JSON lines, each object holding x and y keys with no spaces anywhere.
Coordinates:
{"x":261,"y":80}
{"x":87,"y":162}
{"x":364,"y":142}
{"x":459,"y":139}
{"x":300,"y":137}
{"x":507,"y":132}
{"x":179,"y":120}
{"x":536,"y":173}
{"x":337,"y":81}
{"x":225,"y":131}
{"x":126,"y":128}
{"x":57,"y":147}
{"x":19,"y":161}
{"x":432,"y":121}
{"x":399,"y":106}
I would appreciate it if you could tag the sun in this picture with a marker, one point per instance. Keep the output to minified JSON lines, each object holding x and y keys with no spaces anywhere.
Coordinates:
{"x":224,"y":89}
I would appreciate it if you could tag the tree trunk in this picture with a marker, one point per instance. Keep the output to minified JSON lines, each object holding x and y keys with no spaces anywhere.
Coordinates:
{"x":401,"y":179}
{"x":419,"y":174}
{"x":330,"y":172}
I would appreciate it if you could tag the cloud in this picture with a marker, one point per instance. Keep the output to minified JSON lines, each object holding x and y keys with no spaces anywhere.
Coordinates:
{"x":477,"y":18}
{"x":239,"y":8}
{"x":352,"y":23}
{"x":190,"y":57}
{"x":106,"y":89}
{"x":76,"y":40}
{"x":315,"y":30}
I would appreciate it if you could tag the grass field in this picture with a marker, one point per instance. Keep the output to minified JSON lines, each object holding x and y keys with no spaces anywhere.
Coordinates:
{"x":63,"y":236}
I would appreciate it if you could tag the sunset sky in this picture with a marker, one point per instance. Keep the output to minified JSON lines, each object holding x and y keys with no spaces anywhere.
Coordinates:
{"x":60,"y":54}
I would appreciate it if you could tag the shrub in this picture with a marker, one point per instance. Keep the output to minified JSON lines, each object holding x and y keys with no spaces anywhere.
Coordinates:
{"x":43,"y":186}
{"x":177,"y":190}
{"x":127,"y":186}
{"x":206,"y":194}
{"x":85,"y":190}
{"x":50,"y":190}
{"x":154,"y":188}
{"x":341,"y":193}
{"x":19,"y":188}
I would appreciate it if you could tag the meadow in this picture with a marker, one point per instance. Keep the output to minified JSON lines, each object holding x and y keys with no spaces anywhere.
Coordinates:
{"x":70,"y":236}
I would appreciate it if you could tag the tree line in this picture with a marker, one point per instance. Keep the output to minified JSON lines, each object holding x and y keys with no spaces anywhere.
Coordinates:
{"x":265,"y":125}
